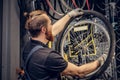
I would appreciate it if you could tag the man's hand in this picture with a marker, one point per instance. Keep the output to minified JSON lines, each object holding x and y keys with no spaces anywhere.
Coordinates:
{"x":75,"y":12}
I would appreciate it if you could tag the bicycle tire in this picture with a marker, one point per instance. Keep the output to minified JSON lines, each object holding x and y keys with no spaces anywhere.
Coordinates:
{"x":47,"y":9}
{"x":74,"y":3}
{"x":90,"y":5}
{"x":108,"y":28}
{"x":62,"y":8}
{"x":51,"y":11}
{"x":53,"y":8}
{"x":65,"y":4}
{"x":81,"y":5}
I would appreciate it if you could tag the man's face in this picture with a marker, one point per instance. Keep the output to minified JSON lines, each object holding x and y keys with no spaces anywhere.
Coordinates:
{"x":48,"y":33}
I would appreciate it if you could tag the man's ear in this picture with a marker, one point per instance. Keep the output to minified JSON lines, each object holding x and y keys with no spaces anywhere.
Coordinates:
{"x":43,"y":29}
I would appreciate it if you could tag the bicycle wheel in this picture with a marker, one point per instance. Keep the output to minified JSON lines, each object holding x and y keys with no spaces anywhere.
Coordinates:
{"x":85,"y":38}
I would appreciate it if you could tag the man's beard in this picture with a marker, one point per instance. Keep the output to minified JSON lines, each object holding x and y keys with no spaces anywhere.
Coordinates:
{"x":49,"y":35}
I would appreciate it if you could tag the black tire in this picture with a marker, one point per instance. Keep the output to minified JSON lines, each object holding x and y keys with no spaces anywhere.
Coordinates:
{"x":108,"y":30}
{"x":70,"y":5}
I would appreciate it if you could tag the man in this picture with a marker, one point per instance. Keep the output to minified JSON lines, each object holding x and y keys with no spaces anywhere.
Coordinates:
{"x":45,"y":63}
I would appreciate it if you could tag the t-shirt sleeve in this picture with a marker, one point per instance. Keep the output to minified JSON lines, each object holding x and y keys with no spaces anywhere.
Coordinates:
{"x":55,"y":62}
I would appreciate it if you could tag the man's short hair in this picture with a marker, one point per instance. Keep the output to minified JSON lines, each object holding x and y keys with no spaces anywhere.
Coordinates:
{"x":35,"y":20}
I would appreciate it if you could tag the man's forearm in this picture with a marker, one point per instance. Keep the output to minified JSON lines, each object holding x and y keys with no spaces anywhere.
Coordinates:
{"x":59,"y":25}
{"x":80,"y":71}
{"x":89,"y":67}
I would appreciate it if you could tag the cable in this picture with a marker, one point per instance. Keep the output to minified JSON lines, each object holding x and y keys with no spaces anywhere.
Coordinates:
{"x":88,"y":6}
{"x":51,"y":7}
{"x":74,"y":3}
